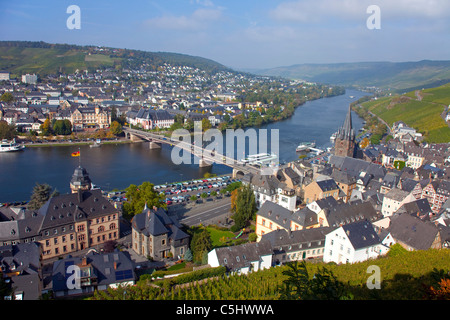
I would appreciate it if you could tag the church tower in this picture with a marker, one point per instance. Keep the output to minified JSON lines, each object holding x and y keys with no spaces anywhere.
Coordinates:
{"x":344,"y":144}
{"x":80,"y":180}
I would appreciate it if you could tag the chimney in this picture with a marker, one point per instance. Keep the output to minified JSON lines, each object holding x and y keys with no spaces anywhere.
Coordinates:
{"x":80,"y":195}
{"x":115,"y":265}
{"x":84,"y":261}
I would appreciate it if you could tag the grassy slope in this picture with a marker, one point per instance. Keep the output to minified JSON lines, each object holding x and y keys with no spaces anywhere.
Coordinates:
{"x":19,"y":60}
{"x":424,"y":115}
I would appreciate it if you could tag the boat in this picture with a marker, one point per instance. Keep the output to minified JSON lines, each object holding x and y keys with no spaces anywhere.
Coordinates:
{"x":10,"y":146}
{"x":97,"y":143}
{"x":333,"y":137}
{"x":305,"y":146}
{"x":260,"y":159}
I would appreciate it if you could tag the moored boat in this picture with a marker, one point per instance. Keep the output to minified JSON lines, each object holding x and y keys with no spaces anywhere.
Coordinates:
{"x":10,"y":146}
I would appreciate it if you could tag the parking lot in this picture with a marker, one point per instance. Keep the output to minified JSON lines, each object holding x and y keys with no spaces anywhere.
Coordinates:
{"x":182,"y":192}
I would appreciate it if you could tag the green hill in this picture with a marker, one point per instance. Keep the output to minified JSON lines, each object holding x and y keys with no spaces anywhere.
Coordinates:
{"x":420,"y":109}
{"x":19,"y":57}
{"x":397,"y":76}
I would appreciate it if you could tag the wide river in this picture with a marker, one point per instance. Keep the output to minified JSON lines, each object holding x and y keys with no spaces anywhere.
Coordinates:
{"x":116,"y":166}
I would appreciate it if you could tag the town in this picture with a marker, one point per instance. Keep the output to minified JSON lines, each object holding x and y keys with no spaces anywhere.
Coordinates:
{"x":348,"y":205}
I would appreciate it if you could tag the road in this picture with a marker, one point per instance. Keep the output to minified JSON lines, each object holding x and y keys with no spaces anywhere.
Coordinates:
{"x":210,"y":212}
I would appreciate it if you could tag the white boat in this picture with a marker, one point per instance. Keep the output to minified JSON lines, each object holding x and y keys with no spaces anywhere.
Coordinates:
{"x":10,"y":146}
{"x":333,"y":137}
{"x":260,"y":159}
{"x":305,"y":146}
{"x":97,"y":143}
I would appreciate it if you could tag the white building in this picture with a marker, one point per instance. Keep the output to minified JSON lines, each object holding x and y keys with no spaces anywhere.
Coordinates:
{"x":4,"y":76}
{"x":394,"y":199}
{"x":243,"y":258}
{"x":355,"y":242}
{"x":29,"y":78}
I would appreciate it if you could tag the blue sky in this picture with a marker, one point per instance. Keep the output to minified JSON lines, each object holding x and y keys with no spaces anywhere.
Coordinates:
{"x":243,"y":34}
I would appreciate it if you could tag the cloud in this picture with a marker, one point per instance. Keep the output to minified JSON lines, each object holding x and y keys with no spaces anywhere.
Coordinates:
{"x":352,"y":10}
{"x":200,"y":19}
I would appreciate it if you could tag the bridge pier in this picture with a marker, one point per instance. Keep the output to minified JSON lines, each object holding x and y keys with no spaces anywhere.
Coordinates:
{"x":134,"y":138}
{"x":154,"y":145}
{"x":237,"y":173}
{"x":203,"y":163}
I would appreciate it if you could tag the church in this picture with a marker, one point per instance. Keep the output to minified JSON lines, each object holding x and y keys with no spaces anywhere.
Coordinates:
{"x":345,"y":145}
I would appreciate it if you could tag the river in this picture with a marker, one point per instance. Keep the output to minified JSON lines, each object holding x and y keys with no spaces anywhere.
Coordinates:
{"x":119,"y":165}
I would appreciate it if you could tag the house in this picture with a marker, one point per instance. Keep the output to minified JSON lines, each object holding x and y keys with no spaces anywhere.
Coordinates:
{"x":354,"y":242}
{"x":272,"y":216}
{"x":21,"y":269}
{"x":150,"y":119}
{"x":345,"y":182}
{"x":157,"y":235}
{"x":96,"y":272}
{"x":270,"y":188}
{"x":321,"y":189}
{"x":394,"y":199}
{"x":414,"y":234}
{"x":346,"y":213}
{"x":90,"y":117}
{"x":244,"y":258}
{"x":418,"y":208}
{"x":437,"y":192}
{"x":303,"y":244}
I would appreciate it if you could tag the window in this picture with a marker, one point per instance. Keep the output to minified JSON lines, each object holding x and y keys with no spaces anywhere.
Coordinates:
{"x":101,"y":229}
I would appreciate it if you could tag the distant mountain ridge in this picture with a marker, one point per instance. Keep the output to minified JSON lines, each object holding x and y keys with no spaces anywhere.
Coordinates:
{"x":398,"y":76}
{"x":20,"y":57}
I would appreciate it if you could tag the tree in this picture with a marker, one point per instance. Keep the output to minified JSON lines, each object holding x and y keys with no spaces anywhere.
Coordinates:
{"x":138,"y":196}
{"x":200,"y":244}
{"x":188,"y":255}
{"x":62,"y":127}
{"x":41,"y":194}
{"x":7,"y":131}
{"x":245,"y":207}
{"x":206,"y":124}
{"x":322,"y":286}
{"x":46,"y":129}
{"x":7,"y":97}
{"x":116,"y":128}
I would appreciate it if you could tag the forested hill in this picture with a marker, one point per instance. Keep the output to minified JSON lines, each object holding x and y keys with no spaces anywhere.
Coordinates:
{"x":18,"y":57}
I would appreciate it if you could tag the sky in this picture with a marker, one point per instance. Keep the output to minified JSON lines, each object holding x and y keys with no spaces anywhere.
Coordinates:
{"x":247,"y":34}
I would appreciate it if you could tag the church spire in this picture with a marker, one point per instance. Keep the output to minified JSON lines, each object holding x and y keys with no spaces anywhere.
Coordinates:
{"x":346,"y":132}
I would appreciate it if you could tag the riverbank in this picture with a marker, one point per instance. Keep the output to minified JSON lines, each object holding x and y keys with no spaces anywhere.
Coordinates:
{"x":69,"y":144}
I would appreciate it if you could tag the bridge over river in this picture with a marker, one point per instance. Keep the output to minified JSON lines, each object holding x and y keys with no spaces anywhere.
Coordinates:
{"x":205,"y":157}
